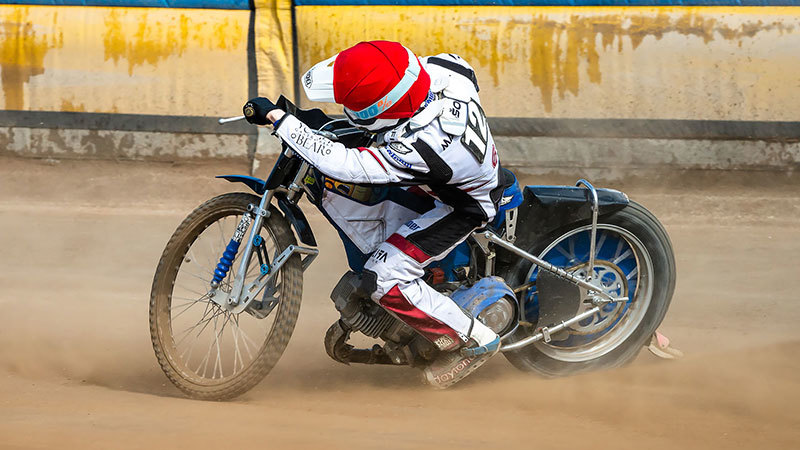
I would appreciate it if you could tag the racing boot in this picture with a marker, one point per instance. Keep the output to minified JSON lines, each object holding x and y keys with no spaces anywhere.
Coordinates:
{"x":452,"y":367}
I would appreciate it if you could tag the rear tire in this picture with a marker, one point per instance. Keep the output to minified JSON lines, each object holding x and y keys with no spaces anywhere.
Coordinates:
{"x":182,"y":252}
{"x":648,"y":240}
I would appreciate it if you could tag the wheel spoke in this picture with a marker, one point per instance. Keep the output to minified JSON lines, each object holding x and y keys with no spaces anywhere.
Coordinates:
{"x":191,"y":290}
{"x":204,"y":280}
{"x":188,"y":306}
{"x":221,"y":232}
{"x":620,"y":246}
{"x":217,"y":312}
{"x":204,"y":362}
{"x":599,"y":244}
{"x":567,"y":255}
{"x":237,"y":355}
{"x":188,"y":330}
{"x":202,"y":267}
{"x":195,"y":356}
{"x":623,"y":256}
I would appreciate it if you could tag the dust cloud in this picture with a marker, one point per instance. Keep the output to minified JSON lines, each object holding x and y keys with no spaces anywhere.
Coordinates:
{"x":80,"y":242}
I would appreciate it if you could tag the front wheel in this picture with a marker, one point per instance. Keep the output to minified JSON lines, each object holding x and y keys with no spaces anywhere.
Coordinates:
{"x":633,"y":258}
{"x":206,"y":351}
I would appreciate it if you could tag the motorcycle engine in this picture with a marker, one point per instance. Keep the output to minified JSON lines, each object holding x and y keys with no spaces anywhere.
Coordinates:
{"x":358,"y":312}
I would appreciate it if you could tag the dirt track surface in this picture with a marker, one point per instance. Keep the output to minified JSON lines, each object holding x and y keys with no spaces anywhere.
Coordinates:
{"x":80,"y":242}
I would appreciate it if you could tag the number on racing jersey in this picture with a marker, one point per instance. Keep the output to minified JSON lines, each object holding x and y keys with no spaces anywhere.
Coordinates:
{"x":476,"y":136}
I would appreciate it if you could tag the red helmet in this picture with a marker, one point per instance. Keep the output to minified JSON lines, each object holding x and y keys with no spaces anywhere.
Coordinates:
{"x":373,"y":80}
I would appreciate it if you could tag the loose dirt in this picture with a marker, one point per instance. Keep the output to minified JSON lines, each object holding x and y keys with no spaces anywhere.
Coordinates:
{"x":79,"y":242}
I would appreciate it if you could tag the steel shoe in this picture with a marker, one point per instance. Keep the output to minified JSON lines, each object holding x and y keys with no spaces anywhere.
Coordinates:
{"x":452,"y":367}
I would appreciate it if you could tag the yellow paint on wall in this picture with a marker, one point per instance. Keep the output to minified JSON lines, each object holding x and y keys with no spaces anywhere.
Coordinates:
{"x":22,"y":52}
{"x":153,"y":36}
{"x":127,"y":60}
{"x":659,"y":62}
{"x":72,"y":106}
{"x":273,"y":44}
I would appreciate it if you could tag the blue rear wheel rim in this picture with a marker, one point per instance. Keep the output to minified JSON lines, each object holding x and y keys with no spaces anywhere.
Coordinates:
{"x":622,"y":265}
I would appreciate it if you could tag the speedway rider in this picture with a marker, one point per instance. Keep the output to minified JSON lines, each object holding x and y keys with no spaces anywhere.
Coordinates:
{"x":432,"y":134}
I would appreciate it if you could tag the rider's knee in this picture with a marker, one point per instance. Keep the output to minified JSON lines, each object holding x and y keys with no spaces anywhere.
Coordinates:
{"x":373,"y":283}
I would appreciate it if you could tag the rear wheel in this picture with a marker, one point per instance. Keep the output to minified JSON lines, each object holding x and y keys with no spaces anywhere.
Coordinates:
{"x":206,"y":351}
{"x":633,"y":258}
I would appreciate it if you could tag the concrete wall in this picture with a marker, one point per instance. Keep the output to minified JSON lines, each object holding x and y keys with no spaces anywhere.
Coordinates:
{"x":600,"y":86}
{"x":111,"y":82}
{"x":156,"y":61}
{"x":595,"y":86}
{"x":719,"y":63}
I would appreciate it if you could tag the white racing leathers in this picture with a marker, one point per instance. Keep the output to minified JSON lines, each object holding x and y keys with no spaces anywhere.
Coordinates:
{"x":445,"y":151}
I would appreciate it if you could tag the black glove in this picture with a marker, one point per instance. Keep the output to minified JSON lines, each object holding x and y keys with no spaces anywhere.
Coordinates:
{"x":256,"y":110}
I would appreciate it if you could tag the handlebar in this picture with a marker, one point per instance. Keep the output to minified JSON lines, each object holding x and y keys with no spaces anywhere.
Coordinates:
{"x":225,"y":120}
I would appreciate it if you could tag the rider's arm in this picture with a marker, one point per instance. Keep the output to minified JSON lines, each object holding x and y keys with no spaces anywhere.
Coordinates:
{"x":333,"y":159}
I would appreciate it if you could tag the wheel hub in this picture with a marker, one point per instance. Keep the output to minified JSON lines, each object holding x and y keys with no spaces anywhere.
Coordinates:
{"x":609,"y":279}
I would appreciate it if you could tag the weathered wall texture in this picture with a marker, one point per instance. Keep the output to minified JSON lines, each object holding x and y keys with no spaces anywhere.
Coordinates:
{"x":692,"y":63}
{"x":721,"y":63}
{"x":127,"y":60}
{"x":619,"y":155}
{"x":121,"y":145}
{"x":273,"y":48}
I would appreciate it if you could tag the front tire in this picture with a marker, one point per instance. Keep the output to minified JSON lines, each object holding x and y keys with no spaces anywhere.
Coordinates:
{"x":207,"y":352}
{"x":634,"y":258}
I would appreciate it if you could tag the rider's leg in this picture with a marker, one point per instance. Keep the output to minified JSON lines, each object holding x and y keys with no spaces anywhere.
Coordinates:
{"x":368,"y":221}
{"x":399,"y":264}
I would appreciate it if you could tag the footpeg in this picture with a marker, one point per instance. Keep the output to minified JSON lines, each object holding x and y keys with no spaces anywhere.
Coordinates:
{"x":490,"y":348}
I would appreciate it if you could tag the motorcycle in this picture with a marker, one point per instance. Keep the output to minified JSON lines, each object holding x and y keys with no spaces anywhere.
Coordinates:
{"x":573,"y":278}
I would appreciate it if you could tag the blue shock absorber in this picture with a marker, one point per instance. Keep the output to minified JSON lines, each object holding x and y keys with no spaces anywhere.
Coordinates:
{"x":229,"y":254}
{"x":225,"y":262}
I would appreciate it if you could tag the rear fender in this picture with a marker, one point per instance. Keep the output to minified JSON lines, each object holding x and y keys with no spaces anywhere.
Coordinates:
{"x":292,"y":212}
{"x":548,"y":208}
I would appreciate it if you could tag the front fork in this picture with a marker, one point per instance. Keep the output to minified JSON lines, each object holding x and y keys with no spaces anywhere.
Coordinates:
{"x":240,"y":295}
{"x":260,"y":212}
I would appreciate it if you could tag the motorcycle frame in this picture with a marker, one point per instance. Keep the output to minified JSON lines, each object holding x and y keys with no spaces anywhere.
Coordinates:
{"x":594,"y":293}
{"x":241,"y":296}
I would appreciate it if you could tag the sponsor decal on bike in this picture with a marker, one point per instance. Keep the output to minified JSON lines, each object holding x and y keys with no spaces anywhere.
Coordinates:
{"x":244,"y":224}
{"x":307,"y":79}
{"x":444,"y":342}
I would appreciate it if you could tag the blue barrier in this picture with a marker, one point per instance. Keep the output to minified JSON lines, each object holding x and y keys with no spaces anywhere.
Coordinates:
{"x":245,"y":4}
{"x":555,"y":2}
{"x":198,"y":4}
